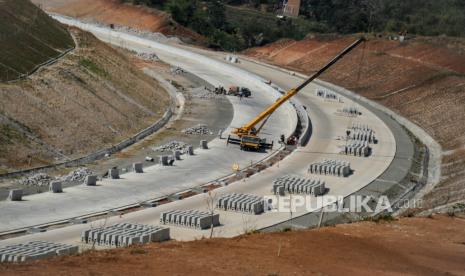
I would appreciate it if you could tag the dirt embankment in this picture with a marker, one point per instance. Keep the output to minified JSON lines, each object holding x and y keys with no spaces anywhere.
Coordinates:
{"x":422,"y":79}
{"x":90,"y":99}
{"x":414,"y":246}
{"x":115,"y":12}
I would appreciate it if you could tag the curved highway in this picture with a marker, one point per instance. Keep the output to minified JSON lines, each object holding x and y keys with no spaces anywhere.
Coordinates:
{"x":327,"y":124}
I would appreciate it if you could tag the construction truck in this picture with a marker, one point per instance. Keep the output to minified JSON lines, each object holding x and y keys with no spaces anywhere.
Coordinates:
{"x":247,"y":136}
{"x":239,"y":91}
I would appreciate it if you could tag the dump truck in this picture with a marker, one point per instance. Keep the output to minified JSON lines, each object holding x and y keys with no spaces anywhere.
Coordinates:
{"x":239,"y":91}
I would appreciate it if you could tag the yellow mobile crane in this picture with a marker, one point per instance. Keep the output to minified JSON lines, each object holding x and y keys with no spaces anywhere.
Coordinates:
{"x":247,"y":135}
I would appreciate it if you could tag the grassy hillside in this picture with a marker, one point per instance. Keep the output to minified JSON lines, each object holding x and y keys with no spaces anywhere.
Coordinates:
{"x":28,"y":37}
{"x":90,"y":99}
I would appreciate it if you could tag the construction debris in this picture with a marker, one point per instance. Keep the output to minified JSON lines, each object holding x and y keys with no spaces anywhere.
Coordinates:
{"x":171,"y":146}
{"x":78,"y":175}
{"x":203,"y":92}
{"x":200,"y":129}
{"x":148,"y":56}
{"x":40,"y":179}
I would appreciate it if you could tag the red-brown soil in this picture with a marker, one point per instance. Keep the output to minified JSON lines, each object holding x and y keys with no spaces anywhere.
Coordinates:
{"x":115,"y":12}
{"x":423,"y":79}
{"x":414,"y":246}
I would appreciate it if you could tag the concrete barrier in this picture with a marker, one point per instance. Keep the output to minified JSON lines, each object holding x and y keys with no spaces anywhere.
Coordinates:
{"x":15,"y":195}
{"x":137,"y":168}
{"x":90,"y":180}
{"x":113,"y":173}
{"x":55,"y":187}
{"x":203,"y":144}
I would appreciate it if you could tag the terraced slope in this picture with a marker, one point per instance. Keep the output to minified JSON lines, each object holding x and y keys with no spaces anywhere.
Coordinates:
{"x":423,"y":79}
{"x":28,"y":37}
{"x":92,"y":98}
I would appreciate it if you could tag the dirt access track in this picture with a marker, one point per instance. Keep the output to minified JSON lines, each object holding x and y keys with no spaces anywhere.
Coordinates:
{"x":114,"y":12}
{"x":413,"y":246}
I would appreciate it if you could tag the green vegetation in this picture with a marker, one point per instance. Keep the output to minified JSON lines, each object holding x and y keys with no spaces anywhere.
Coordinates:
{"x":28,"y":37}
{"x":93,"y":67}
{"x":239,"y":24}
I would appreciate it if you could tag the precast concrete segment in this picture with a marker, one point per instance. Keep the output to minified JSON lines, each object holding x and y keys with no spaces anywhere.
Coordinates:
{"x":90,"y":180}
{"x":35,"y":250}
{"x":338,"y":168}
{"x":190,"y":219}
{"x":15,"y":195}
{"x":244,"y":203}
{"x":298,"y":185}
{"x":125,"y":234}
{"x":55,"y":187}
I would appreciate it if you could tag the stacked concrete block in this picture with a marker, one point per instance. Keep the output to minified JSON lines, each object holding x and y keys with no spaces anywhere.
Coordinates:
{"x":35,"y":250}
{"x":138,"y":168}
{"x":326,"y":94}
{"x":55,"y":187}
{"x":90,"y":180}
{"x":203,"y":144}
{"x":362,"y":133}
{"x":299,"y":185}
{"x":15,"y":195}
{"x":125,"y":234}
{"x":357,"y":148}
{"x":242,"y":203}
{"x":113,"y":173}
{"x":330,"y":167}
{"x":190,"y":219}
{"x":350,"y":110}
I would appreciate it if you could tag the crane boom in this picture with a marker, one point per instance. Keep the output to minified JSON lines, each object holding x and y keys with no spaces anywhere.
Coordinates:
{"x":249,"y":127}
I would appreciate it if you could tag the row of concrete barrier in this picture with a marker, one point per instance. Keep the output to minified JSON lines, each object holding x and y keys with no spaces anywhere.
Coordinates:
{"x":35,"y":250}
{"x":326,"y":94}
{"x":298,"y":185}
{"x":357,"y":148}
{"x":125,"y":234}
{"x":331,"y":167}
{"x":351,"y":110}
{"x":113,"y":173}
{"x":363,"y":135}
{"x":190,"y":219}
{"x":244,"y":203}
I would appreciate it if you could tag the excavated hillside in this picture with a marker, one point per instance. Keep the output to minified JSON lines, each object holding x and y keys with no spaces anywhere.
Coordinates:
{"x":422,"y":79}
{"x":28,"y":37}
{"x":90,"y":99}
{"x":123,"y":14}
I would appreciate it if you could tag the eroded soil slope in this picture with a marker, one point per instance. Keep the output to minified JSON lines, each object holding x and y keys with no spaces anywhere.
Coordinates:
{"x":423,"y":79}
{"x":90,"y":99}
{"x":414,"y":246}
{"x":115,"y":12}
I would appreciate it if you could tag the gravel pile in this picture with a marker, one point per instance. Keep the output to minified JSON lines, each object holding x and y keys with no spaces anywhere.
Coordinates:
{"x":148,"y":56}
{"x":173,"y":145}
{"x":199,"y":129}
{"x":77,"y":175}
{"x":40,"y":179}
